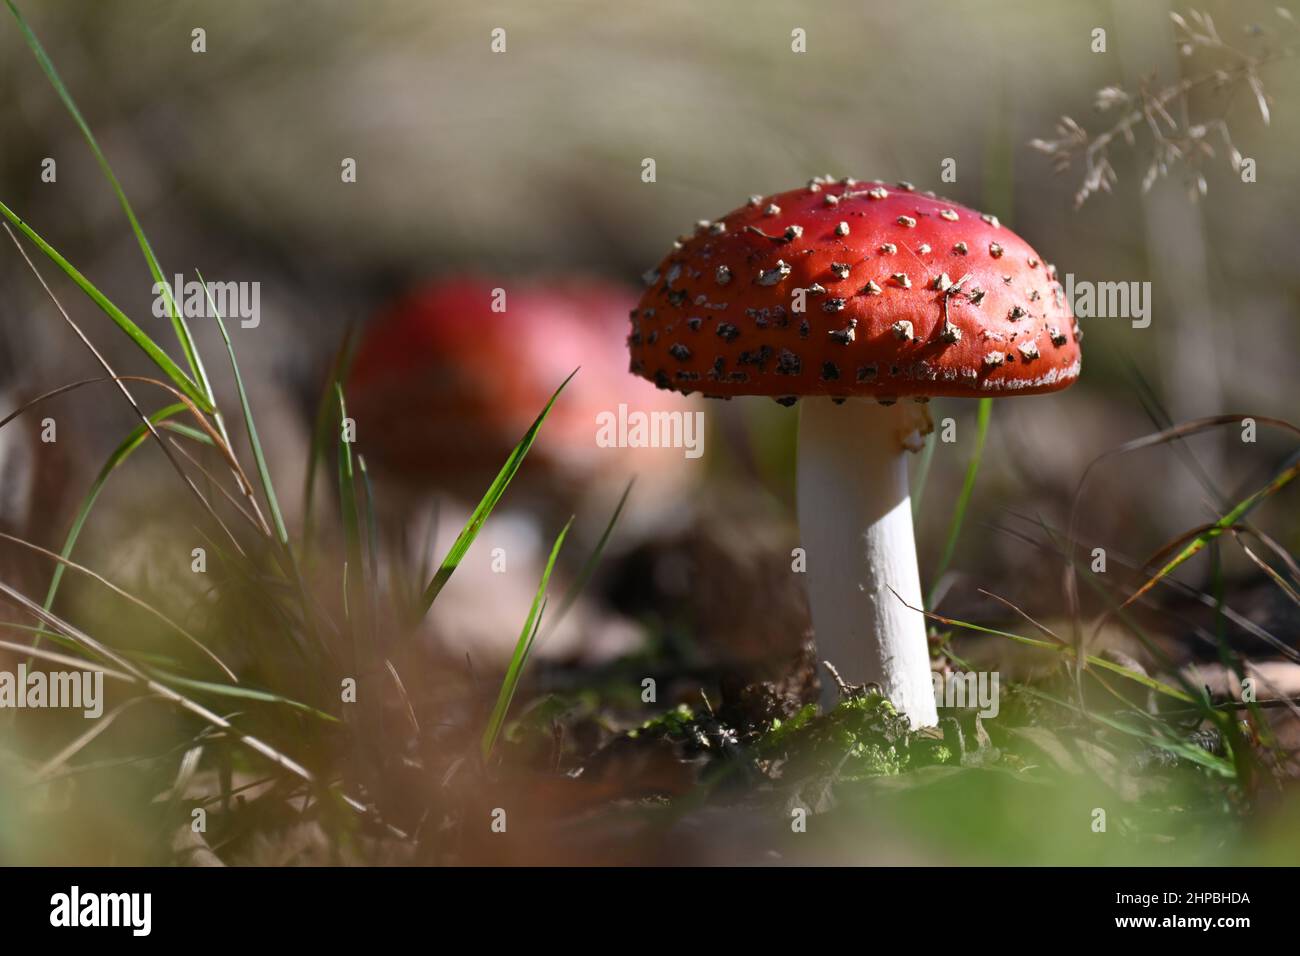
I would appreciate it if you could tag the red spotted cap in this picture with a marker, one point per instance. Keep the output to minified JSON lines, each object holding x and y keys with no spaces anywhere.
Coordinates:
{"x":846,"y":289}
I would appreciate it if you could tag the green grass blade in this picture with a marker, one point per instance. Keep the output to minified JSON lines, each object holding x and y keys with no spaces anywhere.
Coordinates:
{"x":320,"y":431}
{"x":371,"y":520}
{"x":119,"y":455}
{"x":923,"y":474}
{"x":348,"y":486}
{"x":1229,"y":520}
{"x":354,"y":574}
{"x":155,"y":269}
{"x":188,"y":431}
{"x":1149,"y":682}
{"x":263,"y":472}
{"x":963,"y":499}
{"x":522,"y":648}
{"x":589,"y":566}
{"x":240,"y":692}
{"x":133,"y":331}
{"x":485,"y":506}
{"x":1179,"y":748}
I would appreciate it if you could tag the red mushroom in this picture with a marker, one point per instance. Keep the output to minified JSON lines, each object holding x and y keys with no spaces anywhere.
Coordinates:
{"x":857,"y":294}
{"x":448,"y":380}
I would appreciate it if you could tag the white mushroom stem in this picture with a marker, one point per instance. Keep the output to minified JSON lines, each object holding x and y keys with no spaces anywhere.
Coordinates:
{"x":855,"y":522}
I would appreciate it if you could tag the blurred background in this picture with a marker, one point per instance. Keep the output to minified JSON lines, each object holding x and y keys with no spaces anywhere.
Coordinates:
{"x":522,"y":170}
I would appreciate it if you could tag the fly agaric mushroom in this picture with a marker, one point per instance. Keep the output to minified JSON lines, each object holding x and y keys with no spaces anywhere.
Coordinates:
{"x":854,"y":297}
{"x":448,"y":379}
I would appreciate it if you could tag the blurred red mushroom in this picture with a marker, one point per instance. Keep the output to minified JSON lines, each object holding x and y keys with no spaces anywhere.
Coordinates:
{"x":447,"y":380}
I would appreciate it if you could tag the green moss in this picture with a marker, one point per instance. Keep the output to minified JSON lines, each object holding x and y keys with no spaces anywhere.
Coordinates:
{"x":671,"y":723}
{"x":863,"y":736}
{"x":782,"y":730}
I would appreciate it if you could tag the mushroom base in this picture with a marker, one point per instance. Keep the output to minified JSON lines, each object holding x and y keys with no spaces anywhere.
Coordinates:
{"x":855,"y":521}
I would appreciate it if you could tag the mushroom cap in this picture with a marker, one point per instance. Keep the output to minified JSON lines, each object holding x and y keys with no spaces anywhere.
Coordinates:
{"x":440,"y":380}
{"x":904,"y":294}
{"x":443,"y":386}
